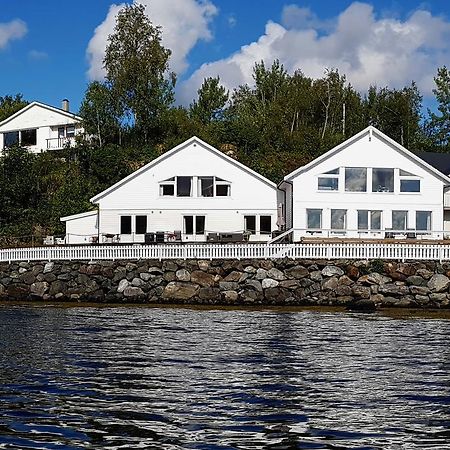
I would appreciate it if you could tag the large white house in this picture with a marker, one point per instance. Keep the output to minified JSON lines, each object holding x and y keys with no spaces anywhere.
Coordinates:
{"x":39,"y":127}
{"x":368,"y":186}
{"x":192,"y":193}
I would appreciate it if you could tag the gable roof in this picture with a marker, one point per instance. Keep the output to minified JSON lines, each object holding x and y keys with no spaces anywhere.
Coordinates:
{"x":42,"y":105}
{"x":440,"y":161}
{"x":168,"y":154}
{"x":370,"y":130}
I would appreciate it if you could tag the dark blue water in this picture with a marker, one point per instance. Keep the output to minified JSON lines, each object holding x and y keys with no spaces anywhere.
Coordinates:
{"x":129,"y":378}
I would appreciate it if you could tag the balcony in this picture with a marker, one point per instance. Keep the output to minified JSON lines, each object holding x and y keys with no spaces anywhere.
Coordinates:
{"x":60,"y":142}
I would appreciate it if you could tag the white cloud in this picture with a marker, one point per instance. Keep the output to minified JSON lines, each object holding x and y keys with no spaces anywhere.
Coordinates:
{"x":10,"y":31}
{"x":183,"y":22}
{"x":368,"y":49}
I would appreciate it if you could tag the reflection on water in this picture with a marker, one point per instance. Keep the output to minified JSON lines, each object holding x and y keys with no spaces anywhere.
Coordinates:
{"x":75,"y":378}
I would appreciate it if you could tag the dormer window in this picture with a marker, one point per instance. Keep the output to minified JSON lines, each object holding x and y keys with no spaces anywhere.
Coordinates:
{"x":184,"y":186}
{"x":329,"y":181}
{"x":356,"y":179}
{"x":409,"y":182}
{"x":223,"y":188}
{"x":206,"y":186}
{"x":167,"y":187}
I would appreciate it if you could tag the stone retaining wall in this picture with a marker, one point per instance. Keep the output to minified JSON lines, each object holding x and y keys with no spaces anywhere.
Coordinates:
{"x":360,"y":284}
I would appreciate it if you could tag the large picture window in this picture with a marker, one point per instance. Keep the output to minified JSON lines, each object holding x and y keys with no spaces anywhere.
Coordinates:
{"x":356,"y":179}
{"x":11,"y":139}
{"x":28,"y":137}
{"x":369,"y":220}
{"x":382,"y":180}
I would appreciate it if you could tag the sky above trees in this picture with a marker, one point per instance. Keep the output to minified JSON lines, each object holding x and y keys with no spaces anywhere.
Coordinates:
{"x":52,"y":49}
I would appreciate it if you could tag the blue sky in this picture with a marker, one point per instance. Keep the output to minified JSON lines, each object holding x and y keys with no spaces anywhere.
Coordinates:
{"x":51,"y":49}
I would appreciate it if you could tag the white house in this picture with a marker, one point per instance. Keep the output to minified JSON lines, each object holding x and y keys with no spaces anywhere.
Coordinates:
{"x":192,"y":193}
{"x":368,"y":186}
{"x":39,"y":127}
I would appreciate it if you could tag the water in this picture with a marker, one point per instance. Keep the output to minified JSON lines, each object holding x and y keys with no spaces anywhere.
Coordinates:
{"x":149,"y":378}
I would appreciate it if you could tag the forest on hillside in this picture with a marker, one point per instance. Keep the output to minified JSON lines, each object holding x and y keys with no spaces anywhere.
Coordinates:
{"x":278,"y":123}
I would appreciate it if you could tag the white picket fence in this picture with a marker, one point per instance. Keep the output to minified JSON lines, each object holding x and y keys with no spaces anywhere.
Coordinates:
{"x":364,"y":251}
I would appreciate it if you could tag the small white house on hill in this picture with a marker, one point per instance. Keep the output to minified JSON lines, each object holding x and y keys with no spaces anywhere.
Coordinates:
{"x":192,"y":193}
{"x":368,"y":186}
{"x":39,"y":127}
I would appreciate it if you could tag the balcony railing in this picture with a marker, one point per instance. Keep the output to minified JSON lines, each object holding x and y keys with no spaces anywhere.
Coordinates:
{"x":329,"y":251}
{"x":60,"y":143}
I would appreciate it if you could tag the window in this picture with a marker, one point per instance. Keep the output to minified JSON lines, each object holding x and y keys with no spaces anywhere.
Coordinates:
{"x":399,"y":220}
{"x":125,"y":225}
{"x":265,"y":224}
{"x":206,"y":186}
{"x":11,"y":139}
{"x":328,"y":184}
{"x":250,"y":224}
{"x":409,"y":185}
{"x":223,"y":188}
{"x":375,"y":220}
{"x":382,"y":180}
{"x":28,"y":137}
{"x":199,"y":224}
{"x":190,"y":221}
{"x":61,"y":132}
{"x":338,"y":219}
{"x":167,"y":187}
{"x":314,"y":218}
{"x":141,"y":224}
{"x":329,"y":181}
{"x":184,"y":186}
{"x":369,"y":220}
{"x":423,"y":220}
{"x":70,"y":131}
{"x":188,"y":224}
{"x":355,"y":179}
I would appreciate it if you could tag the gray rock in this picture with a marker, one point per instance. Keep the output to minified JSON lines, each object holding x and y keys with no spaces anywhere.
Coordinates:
{"x":27,"y":277}
{"x":361,"y":291}
{"x":438,"y":283}
{"x":57,"y":287}
{"x":261,"y":274}
{"x":155,"y":271}
{"x":145,"y":276}
{"x":289,"y":284}
{"x":123,"y":284}
{"x":330,"y":284}
{"x":203,"y":265}
{"x":183,"y":275}
{"x":49,"y":267}
{"x":438,"y":297}
{"x":170,"y":276}
{"x":39,"y":288}
{"x":422,"y":299}
{"x":269,"y":283}
{"x":180,"y":290}
{"x":276,"y":274}
{"x":330,"y":271}
{"x":250,"y":269}
{"x":416,"y":280}
{"x":234,"y":276}
{"x":393,"y":289}
{"x":170,"y":266}
{"x":137,"y":282}
{"x":254,"y":284}
{"x":133,"y":291}
{"x":419,"y":290}
{"x":297,"y":272}
{"x":374,"y":278}
{"x":345,"y":281}
{"x":22,"y":270}
{"x":343,"y":291}
{"x":424,"y":273}
{"x":228,"y":286}
{"x":209,"y":293}
{"x":316,"y":275}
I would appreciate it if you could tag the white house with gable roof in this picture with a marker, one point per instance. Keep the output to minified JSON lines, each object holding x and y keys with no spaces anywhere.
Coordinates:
{"x":368,"y":186}
{"x":40,"y":127}
{"x":192,"y":193}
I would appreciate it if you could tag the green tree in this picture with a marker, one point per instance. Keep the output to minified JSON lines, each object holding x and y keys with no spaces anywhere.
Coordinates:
{"x":439,"y":124}
{"x":212,"y":98}
{"x":10,"y":105}
{"x":137,"y":68}
{"x":101,"y":113}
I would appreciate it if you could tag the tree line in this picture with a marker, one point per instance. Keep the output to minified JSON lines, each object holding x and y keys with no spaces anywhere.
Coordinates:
{"x":275,"y":124}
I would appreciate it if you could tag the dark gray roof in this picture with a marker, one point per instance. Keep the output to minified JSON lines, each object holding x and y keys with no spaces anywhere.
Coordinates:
{"x":440,"y":161}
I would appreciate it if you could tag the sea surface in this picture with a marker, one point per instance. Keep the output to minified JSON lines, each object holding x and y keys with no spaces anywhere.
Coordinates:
{"x":168,"y":378}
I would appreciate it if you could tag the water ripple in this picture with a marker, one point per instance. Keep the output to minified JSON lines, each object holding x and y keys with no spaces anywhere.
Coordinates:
{"x":133,"y":377}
